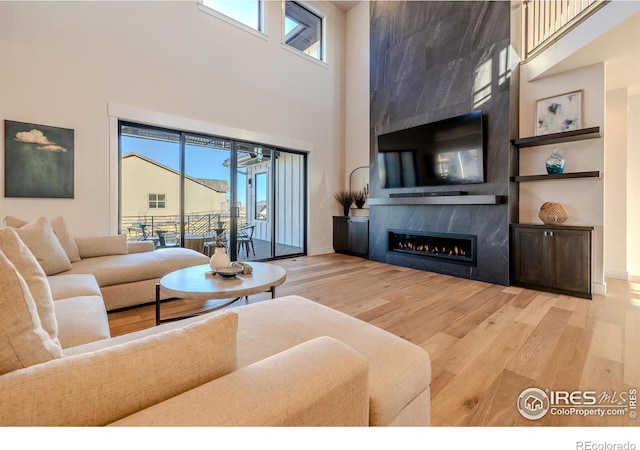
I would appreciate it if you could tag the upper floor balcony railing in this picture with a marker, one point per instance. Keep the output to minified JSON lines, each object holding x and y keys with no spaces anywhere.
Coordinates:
{"x":546,"y":21}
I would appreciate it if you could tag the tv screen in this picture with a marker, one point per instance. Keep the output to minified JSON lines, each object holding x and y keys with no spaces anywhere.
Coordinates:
{"x":447,"y":152}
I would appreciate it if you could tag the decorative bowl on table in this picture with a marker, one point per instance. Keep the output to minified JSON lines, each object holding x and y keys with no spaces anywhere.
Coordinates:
{"x":228,"y":272}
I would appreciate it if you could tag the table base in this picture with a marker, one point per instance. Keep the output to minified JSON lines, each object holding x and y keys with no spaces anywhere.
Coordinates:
{"x":159,"y":320}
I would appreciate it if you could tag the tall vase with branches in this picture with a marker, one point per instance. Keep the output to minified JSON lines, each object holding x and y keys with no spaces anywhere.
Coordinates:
{"x":345,"y":198}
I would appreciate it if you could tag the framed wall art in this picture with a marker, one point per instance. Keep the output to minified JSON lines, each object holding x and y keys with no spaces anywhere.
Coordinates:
{"x":559,"y":113}
{"x":38,"y":161}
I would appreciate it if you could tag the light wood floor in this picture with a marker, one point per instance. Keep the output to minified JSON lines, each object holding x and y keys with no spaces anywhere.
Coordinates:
{"x":487,"y":343}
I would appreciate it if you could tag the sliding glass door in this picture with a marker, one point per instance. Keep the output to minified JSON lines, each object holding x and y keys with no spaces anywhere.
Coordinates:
{"x":207,"y":192}
{"x":177,"y":189}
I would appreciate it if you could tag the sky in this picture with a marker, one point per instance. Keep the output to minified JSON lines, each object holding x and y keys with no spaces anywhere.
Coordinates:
{"x":244,"y":11}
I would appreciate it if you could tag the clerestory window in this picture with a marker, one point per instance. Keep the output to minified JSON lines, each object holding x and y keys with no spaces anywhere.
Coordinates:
{"x":247,"y":12}
{"x":303,"y":30}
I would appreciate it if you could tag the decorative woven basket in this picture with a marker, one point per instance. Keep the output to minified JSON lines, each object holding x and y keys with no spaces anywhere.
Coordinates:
{"x":552,"y":213}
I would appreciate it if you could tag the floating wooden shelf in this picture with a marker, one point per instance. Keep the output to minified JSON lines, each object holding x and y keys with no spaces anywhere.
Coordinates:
{"x":439,"y":200}
{"x":557,"y":176}
{"x":558,"y":138}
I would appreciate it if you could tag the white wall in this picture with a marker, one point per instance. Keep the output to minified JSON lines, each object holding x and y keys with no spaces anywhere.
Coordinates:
{"x":615,"y":185}
{"x":633,"y":186}
{"x":68,"y":63}
{"x":357,"y":122}
{"x":583,"y":198}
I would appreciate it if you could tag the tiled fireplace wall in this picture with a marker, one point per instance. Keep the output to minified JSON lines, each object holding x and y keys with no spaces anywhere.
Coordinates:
{"x":431,"y":61}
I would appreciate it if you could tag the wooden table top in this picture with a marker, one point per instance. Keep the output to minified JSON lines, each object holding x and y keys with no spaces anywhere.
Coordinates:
{"x":192,"y":282}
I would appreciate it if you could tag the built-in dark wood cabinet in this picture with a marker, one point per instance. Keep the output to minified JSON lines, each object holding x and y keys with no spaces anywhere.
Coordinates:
{"x":552,"y":258}
{"x":351,"y":235}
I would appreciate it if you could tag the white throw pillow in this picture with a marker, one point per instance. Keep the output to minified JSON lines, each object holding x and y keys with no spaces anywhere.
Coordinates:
{"x":99,"y":387}
{"x":66,"y":240}
{"x":39,"y":237}
{"x":23,"y":341}
{"x":27,"y":266}
{"x":60,"y":230}
{"x":13,"y":222}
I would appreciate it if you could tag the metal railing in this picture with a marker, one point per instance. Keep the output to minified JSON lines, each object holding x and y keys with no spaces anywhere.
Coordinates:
{"x":195,"y":224}
{"x":546,"y":21}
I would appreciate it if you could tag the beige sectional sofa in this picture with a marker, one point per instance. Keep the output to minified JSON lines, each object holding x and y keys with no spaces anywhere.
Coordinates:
{"x":282,"y":362}
{"x":126,"y":272}
{"x":129,"y":279}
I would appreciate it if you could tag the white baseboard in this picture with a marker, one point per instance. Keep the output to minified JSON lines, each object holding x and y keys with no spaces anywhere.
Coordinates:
{"x":617,"y":274}
{"x":599,"y":288}
{"x":320,"y":251}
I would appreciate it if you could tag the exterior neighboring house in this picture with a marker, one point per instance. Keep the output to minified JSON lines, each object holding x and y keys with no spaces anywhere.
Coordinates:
{"x":154,"y":190}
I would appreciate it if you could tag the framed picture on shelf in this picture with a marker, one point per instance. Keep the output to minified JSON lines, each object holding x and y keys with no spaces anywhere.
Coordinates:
{"x":38,"y":160}
{"x":559,"y":113}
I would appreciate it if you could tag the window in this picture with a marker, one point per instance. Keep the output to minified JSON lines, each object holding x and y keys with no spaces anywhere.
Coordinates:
{"x":303,"y":30}
{"x":247,"y":12}
{"x":216,"y":185}
{"x":261,"y":205}
{"x":157,"y":201}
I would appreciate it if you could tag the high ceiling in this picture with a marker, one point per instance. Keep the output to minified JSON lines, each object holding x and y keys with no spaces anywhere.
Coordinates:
{"x":618,"y":49}
{"x":346,"y":6}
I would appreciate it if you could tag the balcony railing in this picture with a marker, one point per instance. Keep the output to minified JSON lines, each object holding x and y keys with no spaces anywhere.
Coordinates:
{"x":545,"y":21}
{"x":195,"y":224}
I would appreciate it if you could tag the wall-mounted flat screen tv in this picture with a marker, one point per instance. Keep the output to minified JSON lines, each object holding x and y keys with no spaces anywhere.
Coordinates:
{"x":447,"y":152}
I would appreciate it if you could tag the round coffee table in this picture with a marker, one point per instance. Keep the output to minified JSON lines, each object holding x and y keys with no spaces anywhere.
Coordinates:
{"x":198,"y":283}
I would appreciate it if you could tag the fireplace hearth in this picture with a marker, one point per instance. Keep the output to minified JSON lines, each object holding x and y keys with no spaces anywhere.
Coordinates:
{"x":454,"y":248}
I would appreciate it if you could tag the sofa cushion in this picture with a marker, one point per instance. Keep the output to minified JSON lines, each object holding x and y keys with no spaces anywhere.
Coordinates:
{"x":98,"y":388}
{"x":23,"y":341}
{"x":90,"y":247}
{"x":59,"y":229}
{"x":39,"y":237}
{"x":81,"y":320}
{"x":119,"y":269}
{"x":140,"y":246}
{"x":399,"y":370}
{"x":321,"y":382}
{"x":25,"y":263}
{"x":73,"y":285}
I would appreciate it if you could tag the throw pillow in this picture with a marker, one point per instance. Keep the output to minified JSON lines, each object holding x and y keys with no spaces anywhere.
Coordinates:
{"x":26,"y":264}
{"x":66,"y":240}
{"x":39,"y":237}
{"x":23,"y":341}
{"x":59,"y":229}
{"x":13,"y":222}
{"x":102,"y":246}
{"x":97,"y":388}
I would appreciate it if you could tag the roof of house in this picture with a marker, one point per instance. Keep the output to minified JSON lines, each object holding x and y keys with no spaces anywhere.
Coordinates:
{"x":213,"y":184}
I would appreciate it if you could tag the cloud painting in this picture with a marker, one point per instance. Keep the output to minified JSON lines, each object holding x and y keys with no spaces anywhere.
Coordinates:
{"x":38,"y":161}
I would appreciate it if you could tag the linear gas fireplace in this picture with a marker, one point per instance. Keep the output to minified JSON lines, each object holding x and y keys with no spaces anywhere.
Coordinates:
{"x":455,"y":248}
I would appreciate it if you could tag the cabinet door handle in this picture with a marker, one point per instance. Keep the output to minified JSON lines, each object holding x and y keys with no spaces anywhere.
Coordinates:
{"x":548,"y":233}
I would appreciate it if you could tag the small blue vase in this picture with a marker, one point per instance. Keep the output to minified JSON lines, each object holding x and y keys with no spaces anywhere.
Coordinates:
{"x":555,"y":162}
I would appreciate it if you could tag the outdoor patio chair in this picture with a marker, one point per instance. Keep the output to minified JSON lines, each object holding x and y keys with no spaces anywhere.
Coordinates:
{"x":245,"y":239}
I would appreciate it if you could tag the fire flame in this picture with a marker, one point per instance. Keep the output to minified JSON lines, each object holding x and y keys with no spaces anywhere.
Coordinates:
{"x":424,"y":248}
